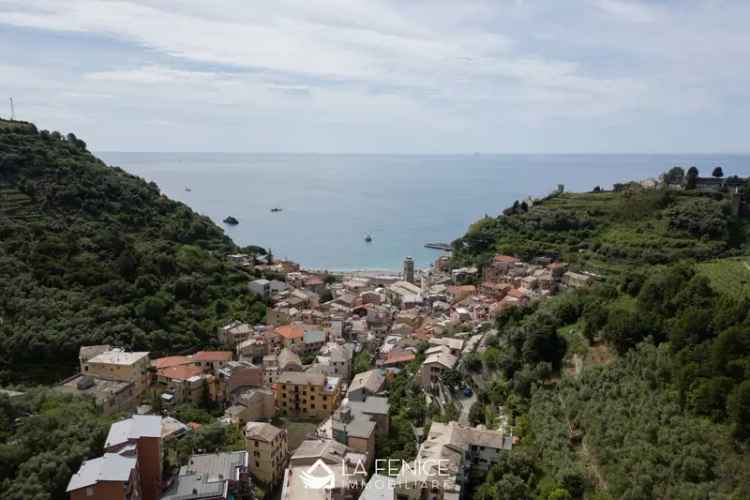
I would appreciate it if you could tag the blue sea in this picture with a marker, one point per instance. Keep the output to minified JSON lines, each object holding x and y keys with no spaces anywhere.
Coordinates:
{"x":331,"y":202}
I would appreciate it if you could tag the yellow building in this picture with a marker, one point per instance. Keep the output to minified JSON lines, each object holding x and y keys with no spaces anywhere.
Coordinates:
{"x":116,"y":364}
{"x":269,"y":451}
{"x":302,"y":394}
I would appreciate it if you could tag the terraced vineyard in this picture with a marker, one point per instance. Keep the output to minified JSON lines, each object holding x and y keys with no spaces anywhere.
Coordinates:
{"x":17,"y":205}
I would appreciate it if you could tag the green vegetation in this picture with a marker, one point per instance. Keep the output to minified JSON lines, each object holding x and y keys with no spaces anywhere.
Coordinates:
{"x":44,"y":437}
{"x":729,"y":276}
{"x":609,"y":231}
{"x":639,"y":386}
{"x":90,"y":254}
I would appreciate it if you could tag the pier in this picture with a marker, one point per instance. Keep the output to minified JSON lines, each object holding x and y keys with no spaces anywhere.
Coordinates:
{"x":445,"y":247}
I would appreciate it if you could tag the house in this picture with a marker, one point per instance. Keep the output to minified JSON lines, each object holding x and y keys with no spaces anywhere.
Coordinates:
{"x":214,"y":476}
{"x":183,"y":383}
{"x":336,"y":359}
{"x":234,"y":333}
{"x":239,"y":374}
{"x":250,"y":405}
{"x":270,"y":369}
{"x":576,"y":280}
{"x":404,"y":295}
{"x":290,"y":336}
{"x":313,"y":340}
{"x":366,"y":384}
{"x":140,"y":436}
{"x":357,"y":423}
{"x":261,"y":288}
{"x":211,"y":360}
{"x":462,"y":452}
{"x":306,"y":394}
{"x":289,"y":361}
{"x":438,"y":360}
{"x":120,"y":365}
{"x":397,"y":358}
{"x":130,"y":468}
{"x":252,"y":349}
{"x":454,"y":345}
{"x":324,"y":458}
{"x":464,"y":275}
{"x":171,"y":428}
{"x":268,"y":448}
{"x":110,"y":396}
{"x":500,"y":267}
{"x":109,"y":477}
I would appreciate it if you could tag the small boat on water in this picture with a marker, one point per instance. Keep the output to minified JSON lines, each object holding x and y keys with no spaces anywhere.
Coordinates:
{"x":188,"y":189}
{"x":276,"y":209}
{"x":368,"y":239}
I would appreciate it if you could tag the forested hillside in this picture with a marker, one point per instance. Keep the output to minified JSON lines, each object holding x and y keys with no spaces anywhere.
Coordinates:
{"x":91,"y":254}
{"x":637,"y":387}
{"x":609,"y":231}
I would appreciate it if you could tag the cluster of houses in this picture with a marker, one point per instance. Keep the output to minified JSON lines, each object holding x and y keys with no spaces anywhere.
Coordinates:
{"x":300,"y":366}
{"x":131,"y":468}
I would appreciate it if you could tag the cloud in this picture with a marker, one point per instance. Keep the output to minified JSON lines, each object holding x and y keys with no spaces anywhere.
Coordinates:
{"x":628,"y":10}
{"x":379,"y":75}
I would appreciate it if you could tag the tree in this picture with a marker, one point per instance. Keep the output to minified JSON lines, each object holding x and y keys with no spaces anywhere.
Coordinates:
{"x":691,"y":178}
{"x":675,"y":175}
{"x":362,"y":362}
{"x":451,"y":378}
{"x":476,"y":413}
{"x":739,"y":411}
{"x":718,"y":172}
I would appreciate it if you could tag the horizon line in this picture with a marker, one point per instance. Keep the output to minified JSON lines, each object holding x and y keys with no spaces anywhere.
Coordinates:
{"x":269,"y":153}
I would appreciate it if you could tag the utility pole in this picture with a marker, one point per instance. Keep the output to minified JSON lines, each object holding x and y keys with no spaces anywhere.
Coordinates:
{"x":12,"y":110}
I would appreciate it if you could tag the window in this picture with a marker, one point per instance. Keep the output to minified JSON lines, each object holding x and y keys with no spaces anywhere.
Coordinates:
{"x":90,"y":491}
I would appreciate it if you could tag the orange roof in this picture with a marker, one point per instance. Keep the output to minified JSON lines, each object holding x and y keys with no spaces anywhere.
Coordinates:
{"x":507,"y":259}
{"x":291,"y":331}
{"x":516,"y":293}
{"x":313,"y":280}
{"x":183,"y":372}
{"x":170,"y":361}
{"x":213,"y":356}
{"x":399,"y":357}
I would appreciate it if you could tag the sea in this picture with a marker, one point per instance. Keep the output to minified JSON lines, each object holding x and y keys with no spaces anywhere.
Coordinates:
{"x":330,"y":203}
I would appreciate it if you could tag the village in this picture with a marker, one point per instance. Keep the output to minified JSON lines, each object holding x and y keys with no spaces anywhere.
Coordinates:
{"x":309,"y":389}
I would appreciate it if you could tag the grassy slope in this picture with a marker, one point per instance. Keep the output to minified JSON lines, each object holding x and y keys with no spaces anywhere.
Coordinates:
{"x":730,"y":276}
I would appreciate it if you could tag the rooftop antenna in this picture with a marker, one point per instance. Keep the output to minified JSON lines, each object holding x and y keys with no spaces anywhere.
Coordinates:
{"x":12,"y":110}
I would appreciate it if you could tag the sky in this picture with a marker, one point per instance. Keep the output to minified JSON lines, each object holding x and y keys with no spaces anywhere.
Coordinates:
{"x":382,"y":76}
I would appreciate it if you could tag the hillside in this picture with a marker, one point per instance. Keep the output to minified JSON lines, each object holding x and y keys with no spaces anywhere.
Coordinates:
{"x":610,"y":231}
{"x":91,"y":254}
{"x":637,"y":387}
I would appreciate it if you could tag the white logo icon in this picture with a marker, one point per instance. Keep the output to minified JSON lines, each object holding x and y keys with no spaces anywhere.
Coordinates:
{"x":321,"y":480}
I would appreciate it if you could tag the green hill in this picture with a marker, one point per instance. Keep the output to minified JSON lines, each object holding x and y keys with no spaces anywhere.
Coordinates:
{"x":609,"y":232}
{"x":91,"y":254}
{"x":637,"y":387}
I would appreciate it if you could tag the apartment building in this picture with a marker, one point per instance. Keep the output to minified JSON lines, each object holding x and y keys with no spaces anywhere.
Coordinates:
{"x":302,"y":394}
{"x":117,"y":364}
{"x":269,"y":451}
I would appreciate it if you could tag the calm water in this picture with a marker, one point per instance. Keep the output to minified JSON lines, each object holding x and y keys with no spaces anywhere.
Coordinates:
{"x":331,"y":202}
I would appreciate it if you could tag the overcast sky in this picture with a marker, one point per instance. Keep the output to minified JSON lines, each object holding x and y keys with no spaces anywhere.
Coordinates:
{"x":381,"y":76}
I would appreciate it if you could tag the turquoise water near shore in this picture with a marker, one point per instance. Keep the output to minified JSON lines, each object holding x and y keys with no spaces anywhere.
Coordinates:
{"x":331,"y":202}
